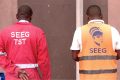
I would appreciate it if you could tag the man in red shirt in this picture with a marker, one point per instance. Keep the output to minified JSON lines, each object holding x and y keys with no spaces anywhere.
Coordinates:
{"x":23,"y":49}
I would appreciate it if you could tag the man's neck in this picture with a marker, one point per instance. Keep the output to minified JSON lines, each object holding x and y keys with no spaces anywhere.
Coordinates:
{"x":96,"y":20}
{"x":93,"y":18}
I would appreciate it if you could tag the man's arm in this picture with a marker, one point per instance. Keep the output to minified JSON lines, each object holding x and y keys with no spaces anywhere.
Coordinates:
{"x":116,"y":41}
{"x":118,"y":54}
{"x":75,"y":55}
{"x":76,"y":44}
{"x":5,"y":62}
{"x":7,"y":65}
{"x":43,"y":58}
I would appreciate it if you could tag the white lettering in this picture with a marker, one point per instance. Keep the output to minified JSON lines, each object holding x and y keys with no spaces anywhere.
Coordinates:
{"x":15,"y":41}
{"x":20,"y":37}
{"x":23,"y":41}
{"x":20,"y":34}
{"x":19,"y":41}
{"x":12,"y":34}
{"x":27,"y":34}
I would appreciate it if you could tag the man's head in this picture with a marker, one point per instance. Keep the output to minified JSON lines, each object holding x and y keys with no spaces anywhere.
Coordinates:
{"x":24,"y":13}
{"x":94,"y":12}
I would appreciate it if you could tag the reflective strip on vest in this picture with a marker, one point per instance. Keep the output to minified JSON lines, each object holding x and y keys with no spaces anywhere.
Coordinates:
{"x":2,"y":53}
{"x":105,"y":57}
{"x":97,"y":71}
{"x":22,"y":66}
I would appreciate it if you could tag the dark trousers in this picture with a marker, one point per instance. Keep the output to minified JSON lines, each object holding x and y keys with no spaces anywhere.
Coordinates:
{"x":2,"y":76}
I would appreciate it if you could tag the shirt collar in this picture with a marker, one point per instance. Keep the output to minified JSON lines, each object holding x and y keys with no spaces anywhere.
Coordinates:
{"x":96,"y":21}
{"x":24,"y":21}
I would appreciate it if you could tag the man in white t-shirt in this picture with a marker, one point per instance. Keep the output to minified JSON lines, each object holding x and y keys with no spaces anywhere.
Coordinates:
{"x":91,"y":48}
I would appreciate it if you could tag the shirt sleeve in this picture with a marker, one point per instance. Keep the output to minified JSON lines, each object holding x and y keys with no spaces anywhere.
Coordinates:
{"x":76,"y":43}
{"x":43,"y":58}
{"x":5,"y":62}
{"x":115,"y":39}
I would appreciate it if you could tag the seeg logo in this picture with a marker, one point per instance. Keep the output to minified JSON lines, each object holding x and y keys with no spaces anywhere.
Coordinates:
{"x":97,"y":35}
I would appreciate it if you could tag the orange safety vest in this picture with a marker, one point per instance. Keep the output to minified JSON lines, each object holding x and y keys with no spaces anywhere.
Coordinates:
{"x":97,"y":58}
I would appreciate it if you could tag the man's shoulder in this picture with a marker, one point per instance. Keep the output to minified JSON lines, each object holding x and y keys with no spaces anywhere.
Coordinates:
{"x":114,"y":29}
{"x":37,"y":29}
{"x":78,"y":28}
{"x":86,"y":25}
{"x":6,"y":28}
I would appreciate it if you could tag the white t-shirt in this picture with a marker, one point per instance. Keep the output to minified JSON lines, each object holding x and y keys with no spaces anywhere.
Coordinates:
{"x":77,"y":41}
{"x":23,"y":21}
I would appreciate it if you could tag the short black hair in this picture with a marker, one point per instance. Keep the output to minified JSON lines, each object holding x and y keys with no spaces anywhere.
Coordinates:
{"x":24,"y":11}
{"x":93,"y":11}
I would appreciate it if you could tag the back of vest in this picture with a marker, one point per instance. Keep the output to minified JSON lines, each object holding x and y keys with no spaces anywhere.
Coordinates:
{"x":97,"y":58}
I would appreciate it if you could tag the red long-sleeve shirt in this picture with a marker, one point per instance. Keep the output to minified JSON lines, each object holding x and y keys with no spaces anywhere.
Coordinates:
{"x":24,"y":43}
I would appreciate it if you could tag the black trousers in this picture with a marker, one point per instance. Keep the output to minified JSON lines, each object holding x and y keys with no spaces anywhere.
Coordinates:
{"x":2,"y":76}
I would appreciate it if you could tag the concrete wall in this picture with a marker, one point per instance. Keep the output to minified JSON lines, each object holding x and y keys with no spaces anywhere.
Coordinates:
{"x":114,"y":13}
{"x":57,"y":19}
{"x":7,"y":12}
{"x":114,"y":19}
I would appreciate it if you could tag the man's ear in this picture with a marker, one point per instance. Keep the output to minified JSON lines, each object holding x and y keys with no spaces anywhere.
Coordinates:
{"x":101,"y":16}
{"x":17,"y":16}
{"x":88,"y":18}
{"x":30,"y":18}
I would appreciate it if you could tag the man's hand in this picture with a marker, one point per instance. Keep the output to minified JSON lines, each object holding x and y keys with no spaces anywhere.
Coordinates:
{"x":75,"y":55}
{"x":23,"y":75}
